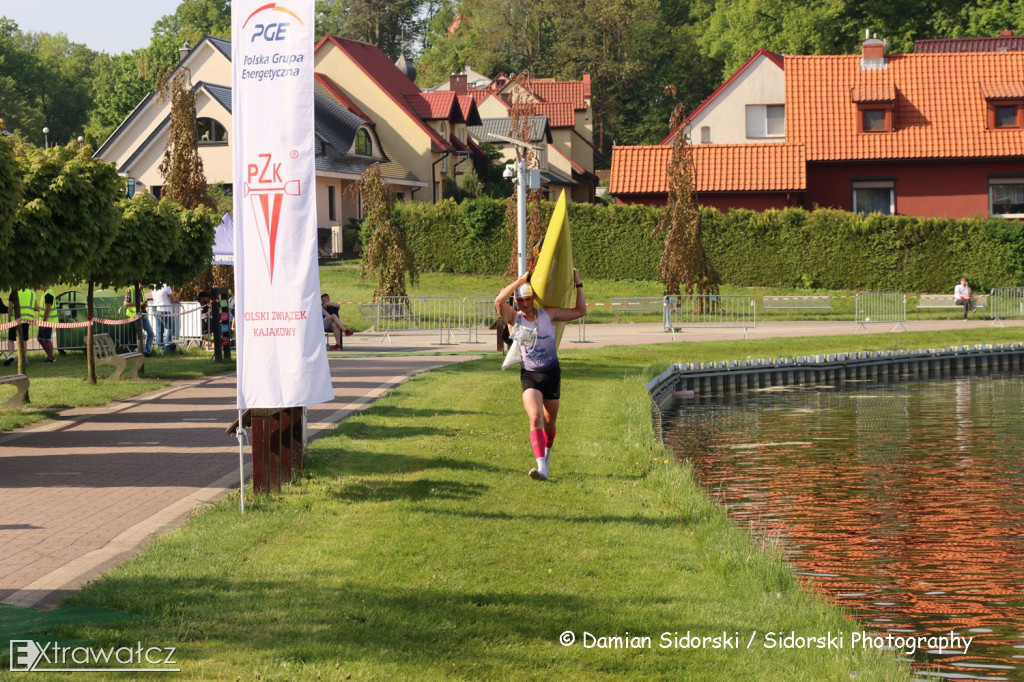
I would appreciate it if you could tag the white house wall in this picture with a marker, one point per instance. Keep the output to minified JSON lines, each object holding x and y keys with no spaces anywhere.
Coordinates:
{"x":762,"y":82}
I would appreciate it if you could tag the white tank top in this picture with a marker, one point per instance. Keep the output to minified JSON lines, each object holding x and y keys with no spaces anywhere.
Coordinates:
{"x":537,"y":342}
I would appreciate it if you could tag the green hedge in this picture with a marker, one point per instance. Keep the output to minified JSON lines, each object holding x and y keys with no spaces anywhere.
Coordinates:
{"x":825,"y":248}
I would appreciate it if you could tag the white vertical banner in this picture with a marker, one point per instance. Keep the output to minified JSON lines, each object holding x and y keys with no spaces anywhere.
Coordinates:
{"x":282,"y":358}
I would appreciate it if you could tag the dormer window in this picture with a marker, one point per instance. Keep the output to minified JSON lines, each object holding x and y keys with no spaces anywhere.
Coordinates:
{"x":364,"y":145}
{"x":875,"y":102}
{"x":1005,"y":105}
{"x":1005,"y":114}
{"x":210,"y":132}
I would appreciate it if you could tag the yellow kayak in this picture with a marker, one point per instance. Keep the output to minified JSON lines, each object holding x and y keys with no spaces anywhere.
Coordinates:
{"x":552,"y":279}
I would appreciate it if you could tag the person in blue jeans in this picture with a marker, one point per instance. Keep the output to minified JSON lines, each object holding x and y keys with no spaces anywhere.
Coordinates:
{"x":163,"y":307}
{"x":134,"y":307}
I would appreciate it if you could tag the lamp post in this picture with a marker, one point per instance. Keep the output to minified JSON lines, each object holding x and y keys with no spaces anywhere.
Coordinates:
{"x":524,"y":180}
{"x":46,"y":137}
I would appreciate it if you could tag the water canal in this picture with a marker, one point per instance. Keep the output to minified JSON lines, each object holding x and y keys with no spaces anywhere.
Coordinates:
{"x":903,"y":502}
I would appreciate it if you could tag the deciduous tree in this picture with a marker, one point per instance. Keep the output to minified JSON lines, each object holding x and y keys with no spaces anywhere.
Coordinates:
{"x":684,"y":262}
{"x":68,"y":219}
{"x":385,"y":254}
{"x":182,"y":167}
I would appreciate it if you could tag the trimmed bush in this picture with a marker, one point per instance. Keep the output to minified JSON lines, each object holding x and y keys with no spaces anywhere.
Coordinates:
{"x":793,"y":247}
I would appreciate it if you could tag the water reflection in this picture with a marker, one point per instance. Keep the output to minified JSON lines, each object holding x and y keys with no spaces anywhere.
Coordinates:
{"x":905,"y":503}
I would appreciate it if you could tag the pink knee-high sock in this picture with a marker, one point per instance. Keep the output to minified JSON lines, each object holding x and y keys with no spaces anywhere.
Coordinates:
{"x":549,"y":437}
{"x":537,"y":441}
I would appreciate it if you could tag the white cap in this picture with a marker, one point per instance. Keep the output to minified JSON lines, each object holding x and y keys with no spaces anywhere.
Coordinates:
{"x":524,"y":290}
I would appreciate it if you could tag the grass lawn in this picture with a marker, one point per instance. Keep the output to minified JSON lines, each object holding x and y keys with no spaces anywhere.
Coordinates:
{"x":415,"y":546}
{"x":65,"y":382}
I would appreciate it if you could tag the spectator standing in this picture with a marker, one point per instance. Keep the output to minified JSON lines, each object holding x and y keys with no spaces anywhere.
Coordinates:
{"x":47,"y":313}
{"x":25,"y":299}
{"x":164,"y":307}
{"x":133,"y":308}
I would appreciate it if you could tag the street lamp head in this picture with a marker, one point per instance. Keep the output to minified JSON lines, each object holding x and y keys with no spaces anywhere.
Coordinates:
{"x":46,"y":130}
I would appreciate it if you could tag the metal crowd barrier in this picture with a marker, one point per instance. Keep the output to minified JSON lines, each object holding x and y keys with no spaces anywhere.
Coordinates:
{"x":709,"y":311}
{"x":191,"y":327}
{"x":477,"y":313}
{"x":881,"y":307}
{"x":1004,"y":303}
{"x":422,"y":313}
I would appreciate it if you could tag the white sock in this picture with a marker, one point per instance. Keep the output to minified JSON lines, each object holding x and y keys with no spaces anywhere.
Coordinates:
{"x":542,"y":465}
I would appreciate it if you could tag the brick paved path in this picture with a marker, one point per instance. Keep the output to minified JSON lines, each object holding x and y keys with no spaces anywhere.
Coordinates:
{"x":83,"y":492}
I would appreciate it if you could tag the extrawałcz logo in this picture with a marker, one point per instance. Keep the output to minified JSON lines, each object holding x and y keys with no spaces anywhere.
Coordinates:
{"x":30,"y":656}
{"x":266,"y":190}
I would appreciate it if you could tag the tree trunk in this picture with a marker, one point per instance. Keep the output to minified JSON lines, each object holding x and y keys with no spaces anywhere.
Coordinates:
{"x":138,"y":323}
{"x":21,"y":350}
{"x":90,"y":357}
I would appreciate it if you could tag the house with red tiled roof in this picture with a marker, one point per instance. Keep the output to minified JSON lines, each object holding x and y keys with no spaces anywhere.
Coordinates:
{"x":426,"y":131}
{"x":923,"y":134}
{"x":568,"y":109}
{"x":930,"y":134}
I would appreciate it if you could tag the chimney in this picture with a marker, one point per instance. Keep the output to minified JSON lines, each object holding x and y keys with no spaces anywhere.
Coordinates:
{"x":1006,"y":33}
{"x":457,"y":83}
{"x":184,"y":50}
{"x":872,"y":53}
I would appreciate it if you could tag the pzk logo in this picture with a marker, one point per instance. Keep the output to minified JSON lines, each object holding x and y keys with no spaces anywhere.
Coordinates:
{"x":266,"y":190}
{"x":272,"y":31}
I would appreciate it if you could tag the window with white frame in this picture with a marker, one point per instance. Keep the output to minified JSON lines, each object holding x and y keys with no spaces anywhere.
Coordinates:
{"x":1006,"y":197}
{"x":766,"y":120}
{"x":705,"y":134}
{"x":874,"y":196}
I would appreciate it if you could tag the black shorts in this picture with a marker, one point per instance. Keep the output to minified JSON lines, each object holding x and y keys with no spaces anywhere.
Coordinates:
{"x":44,"y":333}
{"x":548,"y":382}
{"x":12,"y":333}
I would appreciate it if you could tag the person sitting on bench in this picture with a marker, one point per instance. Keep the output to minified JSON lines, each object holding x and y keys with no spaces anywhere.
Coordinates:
{"x":332,"y":323}
{"x":962,"y":296}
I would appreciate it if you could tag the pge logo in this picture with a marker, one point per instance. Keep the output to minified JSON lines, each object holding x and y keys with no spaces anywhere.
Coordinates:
{"x":272,"y":31}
